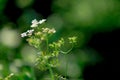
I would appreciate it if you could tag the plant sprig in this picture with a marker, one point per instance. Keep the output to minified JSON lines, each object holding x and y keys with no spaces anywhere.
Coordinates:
{"x":38,"y":37}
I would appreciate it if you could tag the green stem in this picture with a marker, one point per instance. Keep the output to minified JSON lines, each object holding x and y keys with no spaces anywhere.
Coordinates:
{"x":51,"y":73}
{"x":47,"y":45}
{"x":66,"y":66}
{"x":66,"y":52}
{"x":50,"y":69}
{"x":33,"y":73}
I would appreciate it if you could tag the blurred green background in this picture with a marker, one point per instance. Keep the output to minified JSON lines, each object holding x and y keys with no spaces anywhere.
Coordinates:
{"x":81,"y":18}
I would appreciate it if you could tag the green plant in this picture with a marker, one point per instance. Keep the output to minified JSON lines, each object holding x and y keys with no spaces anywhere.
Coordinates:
{"x":39,"y":37}
{"x":7,"y":77}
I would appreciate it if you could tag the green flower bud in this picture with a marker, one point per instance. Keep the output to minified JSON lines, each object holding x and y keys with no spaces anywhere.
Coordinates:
{"x":72,"y":39}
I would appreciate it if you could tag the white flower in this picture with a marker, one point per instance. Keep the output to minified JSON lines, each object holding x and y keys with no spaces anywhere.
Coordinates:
{"x":42,"y":21}
{"x":24,"y":34}
{"x":30,"y":31}
{"x":34,"y":23}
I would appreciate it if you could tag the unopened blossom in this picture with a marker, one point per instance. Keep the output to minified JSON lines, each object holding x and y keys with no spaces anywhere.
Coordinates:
{"x":24,"y":34}
{"x":52,"y":30}
{"x":72,"y":39}
{"x":38,"y":33}
{"x":42,"y":38}
{"x":34,"y":23}
{"x":42,"y":21}
{"x":45,"y":29}
{"x":11,"y":75}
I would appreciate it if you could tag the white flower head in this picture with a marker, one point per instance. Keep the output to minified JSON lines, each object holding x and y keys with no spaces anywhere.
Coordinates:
{"x":42,"y":21}
{"x":30,"y":31}
{"x":34,"y":23}
{"x":24,"y":34}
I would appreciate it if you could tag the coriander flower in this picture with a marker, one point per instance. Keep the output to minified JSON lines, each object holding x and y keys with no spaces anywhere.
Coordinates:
{"x":34,"y":23}
{"x":42,"y":21}
{"x":30,"y":31}
{"x":24,"y":34}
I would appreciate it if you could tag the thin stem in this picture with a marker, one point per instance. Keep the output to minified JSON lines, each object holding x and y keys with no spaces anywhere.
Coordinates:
{"x":66,"y":66}
{"x":66,"y":59}
{"x":50,"y":69}
{"x":51,"y":73}
{"x":33,"y":73}
{"x":66,"y":52}
{"x":47,"y":45}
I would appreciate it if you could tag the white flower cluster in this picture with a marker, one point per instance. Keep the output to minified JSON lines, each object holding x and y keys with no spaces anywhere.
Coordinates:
{"x":35,"y":23}
{"x":28,"y":33}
